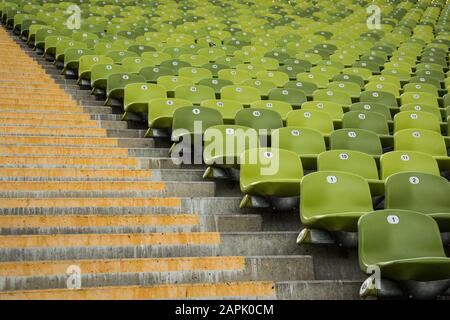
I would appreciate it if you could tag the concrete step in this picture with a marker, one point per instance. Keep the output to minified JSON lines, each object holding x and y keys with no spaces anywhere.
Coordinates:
{"x":60,"y":131}
{"x":318,"y":290}
{"x":73,"y":174}
{"x":102,"y":189}
{"x":203,"y":205}
{"x":67,"y":162}
{"x":330,"y":262}
{"x":127,"y":223}
{"x":58,"y":123}
{"x":165,"y":163}
{"x":129,"y":272}
{"x":18,"y":140}
{"x":241,"y":290}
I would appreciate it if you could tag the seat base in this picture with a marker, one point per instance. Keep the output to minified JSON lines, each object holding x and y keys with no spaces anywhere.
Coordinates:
{"x":276,"y":203}
{"x":388,"y":289}
{"x":316,"y":236}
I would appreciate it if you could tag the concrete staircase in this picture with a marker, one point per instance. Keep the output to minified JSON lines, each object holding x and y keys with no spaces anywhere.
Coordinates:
{"x":79,"y":187}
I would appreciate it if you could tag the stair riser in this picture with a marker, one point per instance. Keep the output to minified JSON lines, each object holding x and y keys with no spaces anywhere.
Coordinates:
{"x":255,"y":269}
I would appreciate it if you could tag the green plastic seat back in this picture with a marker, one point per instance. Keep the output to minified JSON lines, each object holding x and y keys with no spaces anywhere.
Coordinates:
{"x":135,"y":64}
{"x":102,"y":71}
{"x":236,"y":76}
{"x":151,"y":74}
{"x":349,"y":78}
{"x":379,"y":97}
{"x":224,"y":144}
{"x":385,"y":79}
{"x":314,"y":119}
{"x":421,"y":87}
{"x":186,"y":118}
{"x":228,"y":108}
{"x":423,"y":108}
{"x":336,"y":96}
{"x":88,"y":61}
{"x":393,"y":235}
{"x":333,"y":192}
{"x":243,"y":94}
{"x":401,"y":161}
{"x":419,"y":97}
{"x":302,"y":141}
{"x":333,"y":109}
{"x":292,"y":70}
{"x":320,"y":80}
{"x":197,"y":74}
{"x":215,"y":84}
{"x":282,"y":107}
{"x":356,"y":139}
{"x":263,"y":86}
{"x":174,"y":64}
{"x":268,"y":171}
{"x":426,"y":80}
{"x":422,"y":192}
{"x":64,"y":45}
{"x":307,"y":87}
{"x":138,"y":95}
{"x":139,"y":49}
{"x":116,"y":83}
{"x":156,"y":56}
{"x":172,"y":82}
{"x":425,"y":141}
{"x":383,"y":87}
{"x":214,"y":68}
{"x":351,"y":161}
{"x":277,"y":77}
{"x":431,"y":73}
{"x":72,"y":56}
{"x":349,"y":88}
{"x":160,"y":111}
{"x":118,"y":56}
{"x":296,"y":97}
{"x":416,"y":119}
{"x":366,"y":120}
{"x":372,"y":107}
{"x":194,"y":93}
{"x":259,"y":119}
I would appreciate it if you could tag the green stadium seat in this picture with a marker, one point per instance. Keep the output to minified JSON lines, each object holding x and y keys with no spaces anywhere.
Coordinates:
{"x":419,"y":98}
{"x":293,"y":96}
{"x":269,"y":173}
{"x":259,"y":119}
{"x":356,"y":139}
{"x":320,"y":80}
{"x":135,"y":64}
{"x":372,"y":107}
{"x":277,"y":77}
{"x":185,"y":119}
{"x":236,"y":76}
{"x":170,"y":83}
{"x":283,"y":108}
{"x":86,"y":63}
{"x":215,"y":84}
{"x":349,"y":78}
{"x":426,"y":141}
{"x":116,"y":83}
{"x":313,"y":119}
{"x":416,"y":120}
{"x":421,"y":87}
{"x":423,"y":108}
{"x":332,"y":201}
{"x":100,"y":74}
{"x":243,"y":94}
{"x":71,"y":60}
{"x":367,"y":120}
{"x":228,"y":108}
{"x":351,"y":161}
{"x":404,"y":161}
{"x":223,"y":147}
{"x":383,"y":87}
{"x":308,"y":88}
{"x":305,"y":142}
{"x":194,"y":73}
{"x":151,"y":74}
{"x":138,"y":95}
{"x":194,"y":93}
{"x":333,"y":109}
{"x":160,"y":114}
{"x":350,"y":88}
{"x":264,"y":86}
{"x":330,"y":95}
{"x":405,"y":246}
{"x":421,"y":192}
{"x":379,"y":97}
